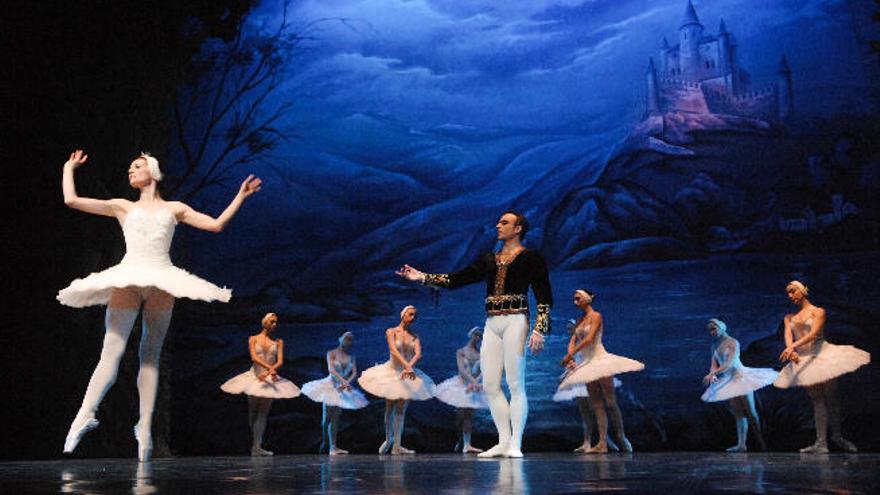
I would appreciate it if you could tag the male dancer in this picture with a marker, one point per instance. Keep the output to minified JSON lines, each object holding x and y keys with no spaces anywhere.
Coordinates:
{"x":508,"y":275}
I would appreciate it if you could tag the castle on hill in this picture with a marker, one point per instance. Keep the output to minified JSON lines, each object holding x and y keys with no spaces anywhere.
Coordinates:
{"x":701,"y":74}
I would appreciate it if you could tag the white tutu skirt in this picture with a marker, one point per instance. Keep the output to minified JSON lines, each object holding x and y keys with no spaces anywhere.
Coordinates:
{"x":325,"y":391}
{"x":601,"y":366}
{"x":247,"y":383}
{"x":383,"y":380}
{"x":738,"y":382}
{"x":828,"y":363}
{"x":576,"y":391}
{"x":453,"y":391}
{"x":96,"y":288}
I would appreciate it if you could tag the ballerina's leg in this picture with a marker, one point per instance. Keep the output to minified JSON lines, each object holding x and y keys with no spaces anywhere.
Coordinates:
{"x":122,"y":311}
{"x":584,"y":407}
{"x":155,"y":322}
{"x":610,"y":395}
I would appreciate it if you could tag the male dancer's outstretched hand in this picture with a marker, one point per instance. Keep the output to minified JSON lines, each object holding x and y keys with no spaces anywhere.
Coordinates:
{"x":536,"y":342}
{"x":411,"y":274}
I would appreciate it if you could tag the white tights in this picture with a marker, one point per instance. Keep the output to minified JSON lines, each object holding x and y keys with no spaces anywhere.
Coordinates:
{"x":503,"y":351}
{"x":122,"y":311}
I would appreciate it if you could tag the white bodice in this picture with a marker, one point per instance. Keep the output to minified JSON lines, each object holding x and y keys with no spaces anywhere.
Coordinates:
{"x":343,"y":368}
{"x":594,"y":348}
{"x":268,"y":354}
{"x":406,"y":348}
{"x":148,"y":235}
{"x":801,"y":328}
{"x":722,"y":353}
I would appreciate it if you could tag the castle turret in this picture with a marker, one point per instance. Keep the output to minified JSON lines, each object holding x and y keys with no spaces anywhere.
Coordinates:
{"x":725,"y":58}
{"x":784,"y":90}
{"x":653,"y":97}
{"x":664,"y":56}
{"x":690,"y":32}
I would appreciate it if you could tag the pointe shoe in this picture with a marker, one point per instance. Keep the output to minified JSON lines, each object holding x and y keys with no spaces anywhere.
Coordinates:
{"x":145,"y":446}
{"x":470,"y":449}
{"x":844,"y":444}
{"x":625,"y":446}
{"x":514,"y":453}
{"x":385,"y":447}
{"x":736,"y":449}
{"x":583,"y":449}
{"x":499,"y":450}
{"x":260,"y":452}
{"x":816,"y":448}
{"x":400,"y":449}
{"x":335,"y":451}
{"x":612,"y":447}
{"x":77,"y":430}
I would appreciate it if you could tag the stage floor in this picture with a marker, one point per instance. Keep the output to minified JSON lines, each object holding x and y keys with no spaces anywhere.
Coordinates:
{"x":670,"y":473}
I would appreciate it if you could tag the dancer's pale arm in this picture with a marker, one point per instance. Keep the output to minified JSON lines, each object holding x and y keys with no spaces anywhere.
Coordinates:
{"x":201,"y":221}
{"x":103,"y":207}
{"x":389,"y":336}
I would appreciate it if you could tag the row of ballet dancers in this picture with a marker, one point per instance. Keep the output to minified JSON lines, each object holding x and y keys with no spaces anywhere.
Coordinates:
{"x":589,"y":379}
{"x":147,"y":283}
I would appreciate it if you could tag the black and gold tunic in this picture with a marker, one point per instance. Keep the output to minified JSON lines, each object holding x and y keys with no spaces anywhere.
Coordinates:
{"x":507,"y":284}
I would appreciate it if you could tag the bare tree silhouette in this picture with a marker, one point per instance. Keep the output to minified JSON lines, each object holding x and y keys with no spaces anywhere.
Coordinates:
{"x":226,"y":115}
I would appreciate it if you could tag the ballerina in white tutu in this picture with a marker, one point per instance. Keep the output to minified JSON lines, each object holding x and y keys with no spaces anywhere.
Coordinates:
{"x":335,"y":392}
{"x":578,"y":393}
{"x":815,"y":364}
{"x":261,"y":383}
{"x":730,"y":380}
{"x":145,"y":279}
{"x":597,"y":369}
{"x":464,"y":390}
{"x":398,"y":381}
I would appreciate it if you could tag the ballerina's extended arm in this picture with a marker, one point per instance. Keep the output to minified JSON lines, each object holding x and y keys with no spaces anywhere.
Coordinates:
{"x":104,"y":207}
{"x":189,"y":216}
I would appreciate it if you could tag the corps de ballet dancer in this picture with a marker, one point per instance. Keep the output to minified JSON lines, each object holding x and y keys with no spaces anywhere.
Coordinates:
{"x":145,"y":280}
{"x":815,"y":364}
{"x":508,"y":274}
{"x":578,"y":393}
{"x":597,"y":370}
{"x":464,"y":391}
{"x":728,"y":379}
{"x":336,"y":392}
{"x":398,"y":381}
{"x":261,"y":383}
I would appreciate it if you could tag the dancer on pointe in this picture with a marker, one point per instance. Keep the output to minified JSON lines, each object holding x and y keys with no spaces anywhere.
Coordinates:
{"x":398,"y":381}
{"x":730,"y":380}
{"x":335,"y":392}
{"x":464,"y":391}
{"x":261,"y":383}
{"x":578,"y":392}
{"x":597,"y":370}
{"x":144,"y":280}
{"x":508,"y":275}
{"x":816,"y":364}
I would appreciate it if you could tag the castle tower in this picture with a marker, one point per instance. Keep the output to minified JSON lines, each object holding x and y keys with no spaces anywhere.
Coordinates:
{"x":653,"y":97}
{"x":689,"y":34}
{"x":664,"y":56}
{"x":725,"y":57}
{"x":784,"y":90}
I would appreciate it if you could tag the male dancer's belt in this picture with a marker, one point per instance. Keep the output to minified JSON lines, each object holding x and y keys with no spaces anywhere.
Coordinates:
{"x":507,"y":304}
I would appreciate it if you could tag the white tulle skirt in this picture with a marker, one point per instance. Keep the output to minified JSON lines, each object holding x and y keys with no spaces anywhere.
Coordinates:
{"x":576,"y":391}
{"x":738,"y":382}
{"x":453,"y":391}
{"x":601,"y":366}
{"x":247,"y":383}
{"x":325,"y":391}
{"x":96,"y":288}
{"x":383,"y":380}
{"x":827,"y":363}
